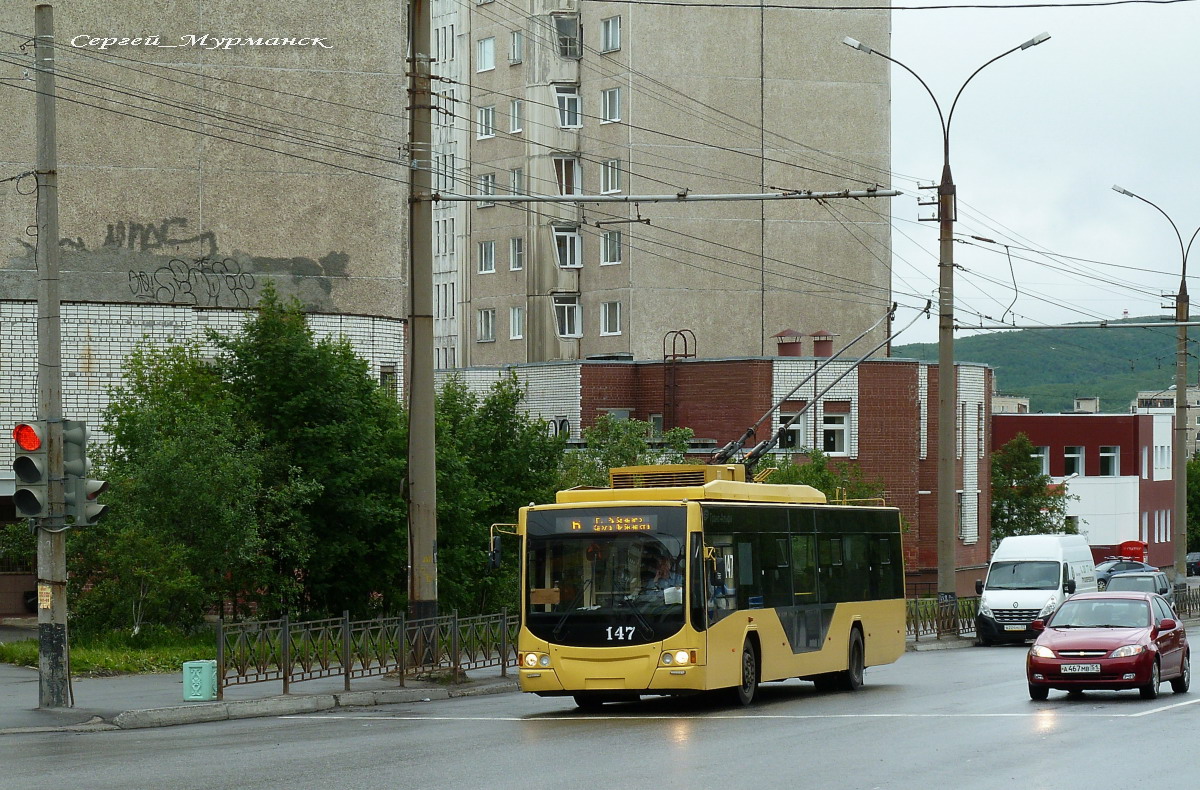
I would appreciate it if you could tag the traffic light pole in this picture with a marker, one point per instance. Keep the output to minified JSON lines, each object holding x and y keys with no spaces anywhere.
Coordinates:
{"x":53,"y":670}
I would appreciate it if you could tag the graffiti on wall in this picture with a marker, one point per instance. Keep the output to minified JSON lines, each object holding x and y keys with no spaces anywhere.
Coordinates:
{"x":203,"y":281}
{"x":198,"y":273}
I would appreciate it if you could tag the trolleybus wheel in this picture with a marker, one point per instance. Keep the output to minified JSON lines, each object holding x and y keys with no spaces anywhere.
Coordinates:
{"x":745,"y":692}
{"x":852,"y":678}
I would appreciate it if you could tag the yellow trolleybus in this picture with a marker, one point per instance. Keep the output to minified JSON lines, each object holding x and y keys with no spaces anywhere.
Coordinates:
{"x":680,"y":579}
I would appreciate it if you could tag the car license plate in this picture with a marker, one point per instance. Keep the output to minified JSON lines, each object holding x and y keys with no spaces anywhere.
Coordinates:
{"x":1070,"y":669}
{"x":1014,"y":628}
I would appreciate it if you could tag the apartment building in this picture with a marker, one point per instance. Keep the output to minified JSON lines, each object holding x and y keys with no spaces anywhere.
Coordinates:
{"x":561,"y":97}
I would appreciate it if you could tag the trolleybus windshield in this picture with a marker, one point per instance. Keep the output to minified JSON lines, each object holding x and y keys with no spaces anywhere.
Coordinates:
{"x":605,"y":576}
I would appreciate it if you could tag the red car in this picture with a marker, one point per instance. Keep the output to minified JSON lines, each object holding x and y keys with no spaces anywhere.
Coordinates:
{"x":1109,"y":640}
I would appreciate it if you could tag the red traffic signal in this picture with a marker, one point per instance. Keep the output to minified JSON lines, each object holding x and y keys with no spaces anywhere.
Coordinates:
{"x":28,"y":437}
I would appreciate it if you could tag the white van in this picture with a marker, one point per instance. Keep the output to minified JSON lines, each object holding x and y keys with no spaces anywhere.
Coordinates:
{"x":1029,"y":576}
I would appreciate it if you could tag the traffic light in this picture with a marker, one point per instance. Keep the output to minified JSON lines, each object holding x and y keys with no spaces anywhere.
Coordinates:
{"x":79,"y":492}
{"x":31,"y":467}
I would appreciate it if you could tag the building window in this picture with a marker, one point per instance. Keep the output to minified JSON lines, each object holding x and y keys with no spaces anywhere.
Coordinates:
{"x":485,"y":54}
{"x":1072,"y":461}
{"x":487,"y":257}
{"x":516,"y":52}
{"x":1042,"y":454}
{"x":610,"y":176}
{"x":570,"y":115}
{"x":485,"y":122}
{"x":794,"y":437}
{"x":443,"y":237}
{"x":834,"y":434}
{"x":487,"y":326}
{"x":487,"y":186}
{"x":516,"y":323}
{"x":610,"y":105}
{"x":610,"y":318}
{"x":516,"y":181}
{"x":516,"y":253}
{"x":567,"y":29}
{"x":443,"y":169}
{"x":1110,"y":461}
{"x":1145,"y":463}
{"x":610,"y":247}
{"x":568,"y":316}
{"x":656,"y":424}
{"x":566,"y":170}
{"x":516,"y":115}
{"x":388,"y":380}
{"x":444,"y":45}
{"x":568,"y":247}
{"x":610,"y":34}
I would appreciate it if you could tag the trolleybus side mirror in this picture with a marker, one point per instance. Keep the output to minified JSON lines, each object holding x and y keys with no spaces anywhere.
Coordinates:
{"x":494,"y":554}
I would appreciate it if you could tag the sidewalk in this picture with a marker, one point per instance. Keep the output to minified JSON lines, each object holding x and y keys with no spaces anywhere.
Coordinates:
{"x":136,"y":701}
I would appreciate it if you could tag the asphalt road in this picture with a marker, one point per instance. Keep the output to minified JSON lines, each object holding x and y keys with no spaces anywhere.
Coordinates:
{"x":941,"y":719}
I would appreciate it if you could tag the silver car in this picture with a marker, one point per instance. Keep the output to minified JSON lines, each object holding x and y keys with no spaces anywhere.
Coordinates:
{"x":1143,"y":581}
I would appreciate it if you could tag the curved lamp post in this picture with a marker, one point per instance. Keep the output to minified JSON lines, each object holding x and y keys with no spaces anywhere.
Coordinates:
{"x":1179,"y":436}
{"x":947,"y":376}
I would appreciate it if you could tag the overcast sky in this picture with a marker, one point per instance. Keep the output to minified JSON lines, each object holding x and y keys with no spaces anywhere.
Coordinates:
{"x":1036,"y":143}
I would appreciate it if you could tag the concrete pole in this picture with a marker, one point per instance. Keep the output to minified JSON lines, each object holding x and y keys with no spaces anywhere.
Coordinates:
{"x":947,"y":465}
{"x":53,"y":667}
{"x":422,"y":458}
{"x":1179,"y":452}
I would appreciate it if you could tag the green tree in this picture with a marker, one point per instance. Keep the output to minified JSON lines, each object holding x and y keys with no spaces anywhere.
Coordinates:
{"x":613,"y":442}
{"x":323,"y":419}
{"x":493,"y":459}
{"x":186,"y":516}
{"x":836,"y":479}
{"x":1193,"y":504}
{"x":1024,"y":501}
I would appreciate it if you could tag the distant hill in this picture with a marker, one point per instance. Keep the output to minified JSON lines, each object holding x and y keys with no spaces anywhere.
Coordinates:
{"x":1052,"y":367}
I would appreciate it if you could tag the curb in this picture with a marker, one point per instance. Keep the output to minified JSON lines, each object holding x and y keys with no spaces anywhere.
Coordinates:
{"x":292,"y":705}
{"x":271,"y":706}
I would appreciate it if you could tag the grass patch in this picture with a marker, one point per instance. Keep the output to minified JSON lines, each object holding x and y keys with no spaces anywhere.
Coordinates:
{"x":121,"y":654}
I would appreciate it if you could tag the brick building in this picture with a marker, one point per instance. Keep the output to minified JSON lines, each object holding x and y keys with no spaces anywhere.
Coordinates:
{"x":1119,"y":467}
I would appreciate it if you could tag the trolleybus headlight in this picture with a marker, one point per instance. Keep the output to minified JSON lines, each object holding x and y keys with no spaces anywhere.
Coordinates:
{"x":681,"y":657}
{"x":531,"y":659}
{"x":677,"y":657}
{"x":544,"y":660}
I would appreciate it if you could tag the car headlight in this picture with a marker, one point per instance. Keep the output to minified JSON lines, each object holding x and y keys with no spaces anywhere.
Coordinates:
{"x":1049,"y":608}
{"x":984,"y":609}
{"x":1126,"y":651}
{"x":1041,"y":651}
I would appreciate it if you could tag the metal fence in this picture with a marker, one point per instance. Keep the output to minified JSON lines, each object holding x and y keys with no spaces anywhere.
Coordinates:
{"x":291,"y":652}
{"x":927,"y":617}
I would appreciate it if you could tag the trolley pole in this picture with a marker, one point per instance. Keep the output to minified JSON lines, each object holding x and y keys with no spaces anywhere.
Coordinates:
{"x":54,"y":678}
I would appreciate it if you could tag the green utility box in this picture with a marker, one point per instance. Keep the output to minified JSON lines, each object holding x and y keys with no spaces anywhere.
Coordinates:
{"x":199,"y":680}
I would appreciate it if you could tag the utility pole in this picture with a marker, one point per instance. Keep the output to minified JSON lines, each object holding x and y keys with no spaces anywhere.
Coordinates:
{"x":53,"y":669}
{"x":422,"y":458}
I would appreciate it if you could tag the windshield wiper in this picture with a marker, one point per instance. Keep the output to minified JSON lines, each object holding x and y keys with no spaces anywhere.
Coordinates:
{"x":571,"y":609}
{"x":642,"y":621}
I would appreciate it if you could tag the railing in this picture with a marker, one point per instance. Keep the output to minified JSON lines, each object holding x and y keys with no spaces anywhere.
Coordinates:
{"x":927,"y":617}
{"x":1187,"y":600}
{"x":266,"y":650}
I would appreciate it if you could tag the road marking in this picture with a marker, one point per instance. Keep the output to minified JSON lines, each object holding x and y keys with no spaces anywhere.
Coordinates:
{"x":1164,"y":707}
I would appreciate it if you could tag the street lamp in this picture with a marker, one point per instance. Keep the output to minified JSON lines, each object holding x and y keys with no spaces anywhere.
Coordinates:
{"x":947,"y":376}
{"x":1179,"y":437}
